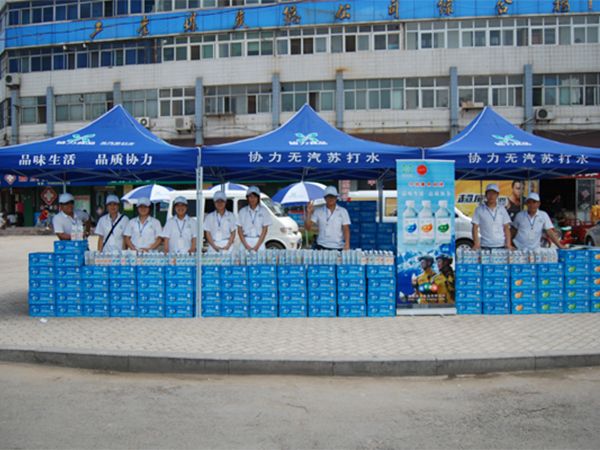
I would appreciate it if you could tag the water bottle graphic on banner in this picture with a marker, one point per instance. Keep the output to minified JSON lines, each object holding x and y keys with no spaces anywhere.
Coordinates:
{"x":426,"y":219}
{"x":443,"y":224}
{"x":411,"y":224}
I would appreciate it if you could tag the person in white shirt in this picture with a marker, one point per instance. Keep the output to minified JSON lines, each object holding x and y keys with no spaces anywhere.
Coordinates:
{"x":333,"y":222}
{"x":180,"y":232}
{"x":220,"y":226}
{"x":65,"y":222}
{"x":111,"y":226}
{"x":253,"y":221}
{"x":143,"y":232}
{"x":492,"y":221}
{"x":531,"y":224}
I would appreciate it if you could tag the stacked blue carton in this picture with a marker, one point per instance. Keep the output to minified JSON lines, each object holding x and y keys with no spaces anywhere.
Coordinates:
{"x":151,"y":291}
{"x":263,"y":290}
{"x":469,"y":293}
{"x":381,"y":291}
{"x":577,"y":280}
{"x":352,"y":292}
{"x":550,"y":288}
{"x":322,"y":293}
{"x":594,"y":280}
{"x":211,"y":289}
{"x":386,"y":237}
{"x":235,"y":295}
{"x":496,"y":288}
{"x":96,"y":296}
{"x":292,"y":290}
{"x":68,"y":263}
{"x":123,"y":291}
{"x":42,"y":292}
{"x":365,"y":232}
{"x":523,"y":288}
{"x":180,"y":291}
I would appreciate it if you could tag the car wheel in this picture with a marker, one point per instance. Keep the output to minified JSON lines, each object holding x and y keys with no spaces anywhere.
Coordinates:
{"x":272,"y":245}
{"x":465,"y":244}
{"x":589,"y":241}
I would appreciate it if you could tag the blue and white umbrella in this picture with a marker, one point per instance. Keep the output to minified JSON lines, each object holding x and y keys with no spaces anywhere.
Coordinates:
{"x":228,"y":187}
{"x":154,"y":192}
{"x":300,"y":193}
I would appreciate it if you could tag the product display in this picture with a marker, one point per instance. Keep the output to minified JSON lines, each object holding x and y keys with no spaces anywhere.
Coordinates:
{"x":273,"y":283}
{"x":545,"y":281}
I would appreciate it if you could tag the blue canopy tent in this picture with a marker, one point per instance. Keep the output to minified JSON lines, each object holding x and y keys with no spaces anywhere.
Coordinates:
{"x":490,"y":146}
{"x":114,"y":147}
{"x":306,"y":145}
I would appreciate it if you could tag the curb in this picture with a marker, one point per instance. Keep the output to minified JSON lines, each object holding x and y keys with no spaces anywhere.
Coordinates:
{"x":411,"y":366}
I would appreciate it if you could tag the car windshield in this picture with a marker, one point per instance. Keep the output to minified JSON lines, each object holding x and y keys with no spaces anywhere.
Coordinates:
{"x":275,"y":207}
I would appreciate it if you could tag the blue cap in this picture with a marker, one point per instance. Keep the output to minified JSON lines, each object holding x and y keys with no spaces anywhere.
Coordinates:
{"x":65,"y":198}
{"x":112,"y":199}
{"x":180,"y":200}
{"x":144,"y":201}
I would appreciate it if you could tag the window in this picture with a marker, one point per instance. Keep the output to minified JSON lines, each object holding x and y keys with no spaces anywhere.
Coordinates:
{"x":497,"y":90}
{"x":79,"y":107}
{"x":33,"y":110}
{"x":566,"y":89}
{"x":177,"y":102}
{"x":238,"y":99}
{"x":141,"y":103}
{"x":320,"y":95}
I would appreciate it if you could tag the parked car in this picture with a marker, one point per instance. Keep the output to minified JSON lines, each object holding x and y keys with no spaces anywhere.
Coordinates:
{"x":462,"y":223}
{"x":283,"y":233}
{"x":592,"y":236}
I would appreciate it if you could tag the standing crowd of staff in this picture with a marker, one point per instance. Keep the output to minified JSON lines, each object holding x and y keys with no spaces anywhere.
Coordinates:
{"x":144,"y":233}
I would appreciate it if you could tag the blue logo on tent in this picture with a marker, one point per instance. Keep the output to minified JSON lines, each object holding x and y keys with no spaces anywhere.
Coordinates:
{"x":509,"y":140}
{"x":307,"y":139}
{"x":77,"y":139}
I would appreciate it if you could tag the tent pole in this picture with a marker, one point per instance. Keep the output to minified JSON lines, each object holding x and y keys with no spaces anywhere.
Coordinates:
{"x":200,"y":238}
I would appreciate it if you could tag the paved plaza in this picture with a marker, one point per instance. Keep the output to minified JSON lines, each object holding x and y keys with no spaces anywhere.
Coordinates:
{"x":430,"y":338}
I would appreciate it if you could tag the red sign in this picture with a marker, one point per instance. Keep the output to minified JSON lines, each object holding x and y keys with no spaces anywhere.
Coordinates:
{"x":48,"y":195}
{"x":422,"y":169}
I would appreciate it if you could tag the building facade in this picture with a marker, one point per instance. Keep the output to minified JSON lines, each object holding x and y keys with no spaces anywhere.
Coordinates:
{"x":403,"y":71}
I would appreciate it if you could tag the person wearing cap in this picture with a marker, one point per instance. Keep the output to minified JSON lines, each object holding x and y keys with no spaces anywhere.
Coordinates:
{"x":253,"y":221}
{"x":111,"y":226}
{"x":180,"y":231}
{"x":492,"y":222}
{"x":65,"y":222}
{"x":332,"y":220}
{"x":143,"y":232}
{"x":530,"y":226}
{"x":424,"y":281}
{"x":444,"y":280}
{"x":220,"y":226}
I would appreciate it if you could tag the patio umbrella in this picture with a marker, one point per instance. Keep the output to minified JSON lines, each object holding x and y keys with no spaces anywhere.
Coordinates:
{"x":228,"y":187}
{"x":300,"y":193}
{"x":154,"y":192}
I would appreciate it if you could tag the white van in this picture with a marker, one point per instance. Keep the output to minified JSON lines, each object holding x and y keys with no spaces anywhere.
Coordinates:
{"x":464,"y":236}
{"x":283,"y":233}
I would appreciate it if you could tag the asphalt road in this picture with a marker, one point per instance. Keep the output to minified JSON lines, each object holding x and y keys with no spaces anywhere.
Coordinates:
{"x":49,"y":407}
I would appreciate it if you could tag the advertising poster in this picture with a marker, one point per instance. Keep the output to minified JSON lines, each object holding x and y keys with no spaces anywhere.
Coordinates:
{"x":426,"y":237}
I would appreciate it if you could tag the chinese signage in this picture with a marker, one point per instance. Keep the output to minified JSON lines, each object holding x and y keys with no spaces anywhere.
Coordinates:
{"x":313,"y":158}
{"x":101,"y":160}
{"x":425,"y":232}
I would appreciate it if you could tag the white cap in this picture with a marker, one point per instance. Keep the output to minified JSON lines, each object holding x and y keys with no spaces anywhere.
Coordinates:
{"x":492,"y":187}
{"x":112,"y":199}
{"x":65,"y":198}
{"x":253,"y":190}
{"x":144,"y":201}
{"x":180,"y":200}
{"x":330,"y":190}
{"x":533,"y":196}
{"x":220,"y":195}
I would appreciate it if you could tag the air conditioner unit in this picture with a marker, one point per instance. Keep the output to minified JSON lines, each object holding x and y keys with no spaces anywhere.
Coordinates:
{"x":184,"y":124}
{"x":543,"y":114}
{"x":12,"y":80}
{"x":472,"y":105}
{"x":145,"y":122}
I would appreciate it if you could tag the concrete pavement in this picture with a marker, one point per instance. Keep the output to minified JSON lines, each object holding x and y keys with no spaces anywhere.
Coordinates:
{"x":386,"y":346}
